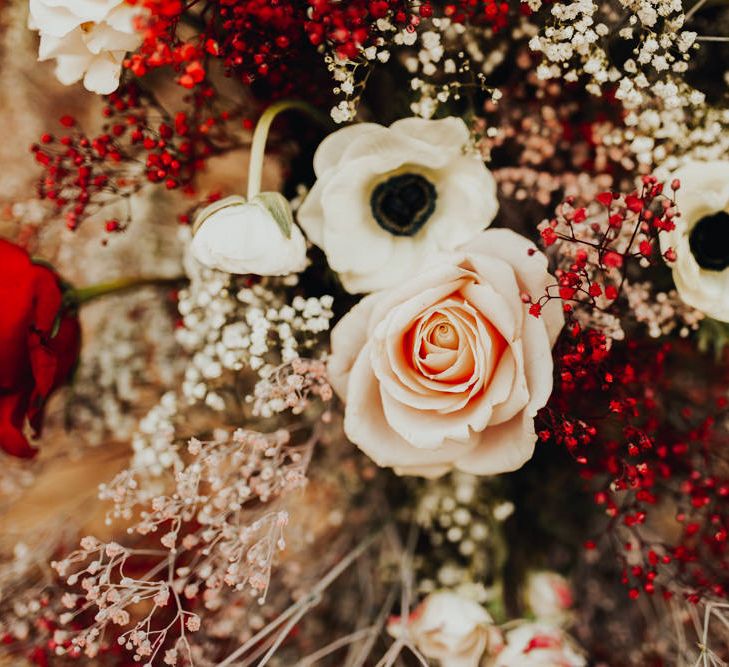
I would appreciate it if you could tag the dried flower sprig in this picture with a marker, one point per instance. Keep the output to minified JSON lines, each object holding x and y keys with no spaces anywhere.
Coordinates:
{"x":222,"y":525}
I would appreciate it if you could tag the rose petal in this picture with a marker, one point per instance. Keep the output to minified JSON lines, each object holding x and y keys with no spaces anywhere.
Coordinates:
{"x":503,"y":448}
{"x":365,"y":424}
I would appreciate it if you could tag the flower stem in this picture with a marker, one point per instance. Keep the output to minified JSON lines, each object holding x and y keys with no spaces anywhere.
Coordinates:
{"x":260,"y":135}
{"x":83,"y":295}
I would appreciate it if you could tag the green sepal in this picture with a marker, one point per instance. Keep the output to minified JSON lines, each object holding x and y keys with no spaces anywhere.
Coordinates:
{"x":279,"y":208}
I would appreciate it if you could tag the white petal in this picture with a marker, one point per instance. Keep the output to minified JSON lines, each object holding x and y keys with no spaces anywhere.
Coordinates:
{"x":330,"y":150}
{"x":103,"y":74}
{"x":348,"y":338}
{"x":70,"y":69}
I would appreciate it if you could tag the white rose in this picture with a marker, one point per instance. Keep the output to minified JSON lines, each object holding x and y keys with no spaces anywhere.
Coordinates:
{"x":701,"y":237}
{"x":539,"y":645}
{"x":385,"y":198}
{"x":88,"y":38}
{"x":237,"y":236}
{"x":450,"y":628}
{"x":448,"y":369}
{"x":548,"y":595}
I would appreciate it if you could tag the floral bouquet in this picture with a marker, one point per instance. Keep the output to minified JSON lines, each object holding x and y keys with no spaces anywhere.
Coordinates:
{"x":365,"y":332}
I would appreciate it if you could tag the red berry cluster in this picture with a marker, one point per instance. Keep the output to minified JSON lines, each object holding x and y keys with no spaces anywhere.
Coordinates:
{"x":84,"y":173}
{"x":259,"y":40}
{"x":649,"y":445}
{"x":480,"y":12}
{"x":351,"y":26}
{"x":161,"y":46}
{"x":600,"y":251}
{"x":644,"y":435}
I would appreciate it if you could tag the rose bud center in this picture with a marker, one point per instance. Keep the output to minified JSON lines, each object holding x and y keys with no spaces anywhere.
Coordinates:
{"x":445,"y":335}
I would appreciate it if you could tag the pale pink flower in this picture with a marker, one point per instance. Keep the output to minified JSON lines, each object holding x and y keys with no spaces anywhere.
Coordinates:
{"x":448,"y":369}
{"x":450,"y":628}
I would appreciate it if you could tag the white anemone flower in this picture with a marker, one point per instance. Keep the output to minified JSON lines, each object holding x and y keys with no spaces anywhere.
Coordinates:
{"x":700,"y":239}
{"x":386,"y":198}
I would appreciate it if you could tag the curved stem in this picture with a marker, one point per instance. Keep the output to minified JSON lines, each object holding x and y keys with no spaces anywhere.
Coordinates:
{"x":260,"y":135}
{"x":83,"y":295}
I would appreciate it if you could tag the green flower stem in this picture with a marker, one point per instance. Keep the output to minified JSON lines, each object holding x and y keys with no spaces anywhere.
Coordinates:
{"x":260,"y":135}
{"x":83,"y":295}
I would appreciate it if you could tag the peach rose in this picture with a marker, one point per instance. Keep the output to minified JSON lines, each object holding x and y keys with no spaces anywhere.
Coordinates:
{"x":448,"y":369}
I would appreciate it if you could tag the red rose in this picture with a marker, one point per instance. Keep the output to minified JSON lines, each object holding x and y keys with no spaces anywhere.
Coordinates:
{"x":39,"y":344}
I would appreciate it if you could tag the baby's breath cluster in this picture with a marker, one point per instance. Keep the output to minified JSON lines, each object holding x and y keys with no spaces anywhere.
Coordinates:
{"x":234,"y":324}
{"x":153,"y":442}
{"x":462,"y":521}
{"x":666,"y":115}
{"x":450,"y":63}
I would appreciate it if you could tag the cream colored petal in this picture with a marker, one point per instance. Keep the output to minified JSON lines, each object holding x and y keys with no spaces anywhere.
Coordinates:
{"x":381,"y":152}
{"x":123,"y":18}
{"x":55,"y":21}
{"x":402,"y":260}
{"x":426,"y":429}
{"x":494,"y":307}
{"x":465,"y":186}
{"x":704,"y":190}
{"x":69,"y":46}
{"x":348,"y":338}
{"x":70,"y":69}
{"x":330,"y":150}
{"x":518,"y":396}
{"x":102,"y":37}
{"x":538,"y":364}
{"x":310,"y":214}
{"x":499,"y":275}
{"x":448,"y":134}
{"x":352,"y":240}
{"x":530,"y":270}
{"x":102,"y":76}
{"x":428,"y":471}
{"x":503,"y":448}
{"x":365,"y":425}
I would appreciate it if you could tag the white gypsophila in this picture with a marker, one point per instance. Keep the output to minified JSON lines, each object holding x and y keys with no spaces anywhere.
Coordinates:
{"x":450,"y":628}
{"x":88,"y":39}
{"x":539,"y":645}
{"x":386,"y":198}
{"x":242,"y":237}
{"x":700,"y":239}
{"x":229,"y":327}
{"x":153,"y":442}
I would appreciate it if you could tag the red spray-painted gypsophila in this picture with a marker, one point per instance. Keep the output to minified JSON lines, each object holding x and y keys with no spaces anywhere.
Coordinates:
{"x":649,"y":444}
{"x":259,"y":39}
{"x":647,"y":440}
{"x":140,"y":143}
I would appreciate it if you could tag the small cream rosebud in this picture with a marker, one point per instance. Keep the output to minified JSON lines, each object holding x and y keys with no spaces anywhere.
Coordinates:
{"x":450,"y":628}
{"x":548,"y":596}
{"x":258,"y":236}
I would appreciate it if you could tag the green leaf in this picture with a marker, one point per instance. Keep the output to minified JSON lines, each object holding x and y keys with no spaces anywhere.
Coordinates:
{"x":278,"y":206}
{"x":713,"y":336}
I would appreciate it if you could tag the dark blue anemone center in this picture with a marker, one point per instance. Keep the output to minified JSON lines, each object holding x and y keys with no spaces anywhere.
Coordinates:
{"x":402,"y":204}
{"x":709,"y":241}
